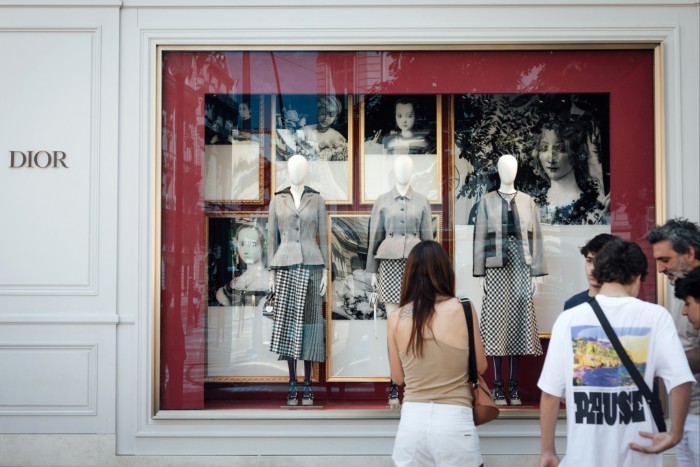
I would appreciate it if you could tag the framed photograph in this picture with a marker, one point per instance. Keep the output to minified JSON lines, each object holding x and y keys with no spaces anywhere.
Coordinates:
{"x":356,"y":333}
{"x":318,"y":127}
{"x":233,"y":150}
{"x":562,"y":146}
{"x":237,"y":334}
{"x":391,"y":125}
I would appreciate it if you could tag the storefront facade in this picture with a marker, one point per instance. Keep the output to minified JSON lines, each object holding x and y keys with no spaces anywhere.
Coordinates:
{"x":117,"y":217}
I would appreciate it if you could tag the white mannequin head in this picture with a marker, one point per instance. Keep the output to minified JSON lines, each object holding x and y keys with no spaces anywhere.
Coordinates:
{"x":507,"y":169}
{"x":403,"y":169}
{"x":297,"y":166}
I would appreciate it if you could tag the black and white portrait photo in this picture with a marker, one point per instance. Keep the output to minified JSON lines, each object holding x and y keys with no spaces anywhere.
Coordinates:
{"x":394,"y":125}
{"x":238,"y":336}
{"x":318,"y":128}
{"x":561,"y":142}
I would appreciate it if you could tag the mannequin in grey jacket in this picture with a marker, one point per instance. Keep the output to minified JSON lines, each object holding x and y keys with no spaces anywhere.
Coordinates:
{"x":400,"y":220}
{"x":508,"y":254}
{"x":298,"y":253}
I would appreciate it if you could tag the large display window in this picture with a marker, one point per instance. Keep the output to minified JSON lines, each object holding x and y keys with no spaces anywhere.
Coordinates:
{"x":233,"y":124}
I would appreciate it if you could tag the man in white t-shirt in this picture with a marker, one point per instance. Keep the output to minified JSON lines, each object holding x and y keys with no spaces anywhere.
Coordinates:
{"x":608,"y":420}
{"x":676,"y":248}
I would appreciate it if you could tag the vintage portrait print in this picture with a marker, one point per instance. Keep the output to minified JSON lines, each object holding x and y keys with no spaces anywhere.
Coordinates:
{"x":233,"y":150}
{"x":391,"y":125}
{"x":318,"y":127}
{"x":238,"y":336}
{"x":561,"y":144}
{"x":356,"y":333}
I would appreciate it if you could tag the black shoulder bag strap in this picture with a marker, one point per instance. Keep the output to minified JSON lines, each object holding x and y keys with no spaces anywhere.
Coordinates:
{"x":650,"y":397}
{"x":473,"y":378}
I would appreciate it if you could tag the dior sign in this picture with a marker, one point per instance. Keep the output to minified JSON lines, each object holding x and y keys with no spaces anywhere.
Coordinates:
{"x":38,"y":159}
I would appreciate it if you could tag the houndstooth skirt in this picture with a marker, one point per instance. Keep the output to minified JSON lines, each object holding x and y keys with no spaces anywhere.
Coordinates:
{"x":390,"y":278}
{"x":298,"y":328}
{"x":508,"y":324}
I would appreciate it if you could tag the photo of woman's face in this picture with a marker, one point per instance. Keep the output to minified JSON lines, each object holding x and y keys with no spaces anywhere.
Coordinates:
{"x":326,"y":116}
{"x":553,"y":156}
{"x":248,"y":246}
{"x":244,"y":110}
{"x":405,"y":116}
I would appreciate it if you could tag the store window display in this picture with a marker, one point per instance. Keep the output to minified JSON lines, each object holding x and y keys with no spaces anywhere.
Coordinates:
{"x":298,"y":250}
{"x":508,"y":255}
{"x":400,"y":219}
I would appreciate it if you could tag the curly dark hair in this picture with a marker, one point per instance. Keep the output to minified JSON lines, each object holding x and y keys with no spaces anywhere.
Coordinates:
{"x":573,"y":134}
{"x":688,"y":286}
{"x":682,"y":233}
{"x":596,"y":243}
{"x":619,"y":261}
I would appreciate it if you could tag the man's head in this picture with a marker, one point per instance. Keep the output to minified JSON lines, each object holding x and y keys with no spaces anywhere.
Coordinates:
{"x":589,"y":250}
{"x":676,"y":247}
{"x":622,"y":262}
{"x":688,"y":290}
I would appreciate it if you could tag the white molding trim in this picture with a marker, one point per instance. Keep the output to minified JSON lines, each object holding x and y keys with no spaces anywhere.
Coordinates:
{"x":87,"y":408}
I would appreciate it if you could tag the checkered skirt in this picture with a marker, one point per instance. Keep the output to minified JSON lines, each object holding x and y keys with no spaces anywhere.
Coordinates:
{"x":390,"y":277}
{"x":508,"y":324}
{"x":298,"y":328}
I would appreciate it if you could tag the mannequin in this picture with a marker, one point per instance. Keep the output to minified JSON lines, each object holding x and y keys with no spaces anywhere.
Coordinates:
{"x":508,"y":255}
{"x":400,"y":219}
{"x":298,"y":250}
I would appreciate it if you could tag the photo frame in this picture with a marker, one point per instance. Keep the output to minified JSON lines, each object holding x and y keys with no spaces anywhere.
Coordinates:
{"x":553,"y":137}
{"x":234,"y":150}
{"x":318,"y":127}
{"x":237,"y":334}
{"x":391,"y":125}
{"x":356,"y":344}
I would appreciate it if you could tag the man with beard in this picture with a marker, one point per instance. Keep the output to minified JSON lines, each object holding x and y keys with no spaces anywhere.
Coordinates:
{"x":676,"y":248}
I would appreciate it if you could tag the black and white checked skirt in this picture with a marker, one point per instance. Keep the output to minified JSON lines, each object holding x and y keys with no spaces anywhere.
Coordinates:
{"x":390,"y":277}
{"x":298,"y":328}
{"x":508,"y":323}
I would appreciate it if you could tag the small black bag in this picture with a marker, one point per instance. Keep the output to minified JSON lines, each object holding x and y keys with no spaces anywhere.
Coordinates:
{"x":269,"y":306}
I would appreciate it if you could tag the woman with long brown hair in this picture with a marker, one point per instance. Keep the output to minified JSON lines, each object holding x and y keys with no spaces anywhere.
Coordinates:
{"x":429,"y":354}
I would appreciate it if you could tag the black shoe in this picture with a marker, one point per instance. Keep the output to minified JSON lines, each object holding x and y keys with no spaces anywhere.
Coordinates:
{"x":499,"y":397}
{"x":307,"y":397}
{"x":394,"y":402}
{"x":292,"y":394}
{"x":513,"y":393}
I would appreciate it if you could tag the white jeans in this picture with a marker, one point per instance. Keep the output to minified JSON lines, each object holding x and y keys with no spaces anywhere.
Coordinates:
{"x":688,"y":450}
{"x":436,"y":434}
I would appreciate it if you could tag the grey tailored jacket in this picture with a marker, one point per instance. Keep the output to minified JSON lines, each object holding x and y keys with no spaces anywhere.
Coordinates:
{"x":488,"y":233}
{"x":397,"y":224}
{"x":297,"y":236}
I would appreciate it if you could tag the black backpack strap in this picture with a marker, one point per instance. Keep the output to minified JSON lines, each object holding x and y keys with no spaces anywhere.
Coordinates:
{"x":473,"y":378}
{"x":649,"y":396}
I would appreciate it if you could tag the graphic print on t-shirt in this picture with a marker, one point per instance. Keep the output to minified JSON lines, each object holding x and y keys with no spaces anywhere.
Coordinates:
{"x":597,"y":365}
{"x":596,"y":362}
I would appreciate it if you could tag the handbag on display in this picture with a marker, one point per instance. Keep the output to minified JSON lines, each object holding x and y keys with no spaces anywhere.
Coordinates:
{"x":483,"y":406}
{"x":651,"y":398}
{"x":269,"y":306}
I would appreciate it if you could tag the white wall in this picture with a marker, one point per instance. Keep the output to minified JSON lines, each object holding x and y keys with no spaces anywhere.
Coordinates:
{"x":76,"y":336}
{"x":58,"y":258}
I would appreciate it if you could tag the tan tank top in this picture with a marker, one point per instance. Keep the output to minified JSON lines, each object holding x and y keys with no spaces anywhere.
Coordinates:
{"x":440,"y":376}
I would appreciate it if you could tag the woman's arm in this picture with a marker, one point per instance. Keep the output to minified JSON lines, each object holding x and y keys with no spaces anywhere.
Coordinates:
{"x":394,"y":359}
{"x":481,"y":363}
